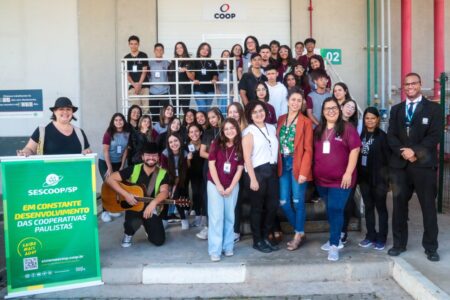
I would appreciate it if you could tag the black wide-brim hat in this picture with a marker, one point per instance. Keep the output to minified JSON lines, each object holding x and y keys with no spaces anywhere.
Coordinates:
{"x":63,"y":102}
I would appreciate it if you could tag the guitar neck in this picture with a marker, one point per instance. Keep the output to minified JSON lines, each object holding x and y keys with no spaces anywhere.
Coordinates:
{"x":150,"y":199}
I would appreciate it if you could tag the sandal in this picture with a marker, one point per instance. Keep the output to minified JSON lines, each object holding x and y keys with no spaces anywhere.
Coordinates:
{"x":294,"y":244}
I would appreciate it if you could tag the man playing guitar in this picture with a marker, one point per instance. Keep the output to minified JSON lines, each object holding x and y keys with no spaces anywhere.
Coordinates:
{"x":156,"y":181}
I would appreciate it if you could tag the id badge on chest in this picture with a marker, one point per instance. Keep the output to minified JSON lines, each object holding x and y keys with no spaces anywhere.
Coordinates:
{"x":203,"y":71}
{"x":286,"y":150}
{"x":157,"y":74}
{"x":191,"y":148}
{"x":364,"y":161}
{"x":135,"y":68}
{"x":326,"y":147}
{"x":227,"y":167}
{"x":119,"y":149}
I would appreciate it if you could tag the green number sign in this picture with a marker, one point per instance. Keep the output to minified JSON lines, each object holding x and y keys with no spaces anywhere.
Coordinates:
{"x":334,"y":56}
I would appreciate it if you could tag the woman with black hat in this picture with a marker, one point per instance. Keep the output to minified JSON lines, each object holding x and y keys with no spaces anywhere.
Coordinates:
{"x":59,"y":136}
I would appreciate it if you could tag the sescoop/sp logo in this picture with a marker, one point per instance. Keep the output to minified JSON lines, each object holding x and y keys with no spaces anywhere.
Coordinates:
{"x":52,"y":180}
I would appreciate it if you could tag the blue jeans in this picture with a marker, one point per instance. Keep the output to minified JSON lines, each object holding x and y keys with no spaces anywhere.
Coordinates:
{"x":220,"y":220}
{"x":290,"y":188}
{"x":335,"y":200}
{"x":203,"y":103}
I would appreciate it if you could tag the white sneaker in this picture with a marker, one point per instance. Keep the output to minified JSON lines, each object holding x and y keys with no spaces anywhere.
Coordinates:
{"x":115,"y":215}
{"x":333,"y":254}
{"x":326,"y":246}
{"x":228,"y":253}
{"x":184,"y":224}
{"x":106,"y":217}
{"x":203,"y":234}
{"x":126,"y":241}
{"x":215,"y":258}
{"x":165,"y":224}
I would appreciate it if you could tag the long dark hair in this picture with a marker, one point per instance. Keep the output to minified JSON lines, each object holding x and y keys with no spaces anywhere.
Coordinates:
{"x":320,"y":59}
{"x":374,"y":111}
{"x":149,"y":133}
{"x":201,"y":46}
{"x":354,"y":118}
{"x":194,"y":112}
{"x":345,"y":88}
{"x":256,"y":44}
{"x":339,"y":127}
{"x":222,"y":65}
{"x":215,"y":110}
{"x":162,"y":113}
{"x":237,"y":142}
{"x":290,"y":59}
{"x":131,"y":109}
{"x":266,"y":99}
{"x":112,"y":129}
{"x":182,"y":163}
{"x":185,"y":51}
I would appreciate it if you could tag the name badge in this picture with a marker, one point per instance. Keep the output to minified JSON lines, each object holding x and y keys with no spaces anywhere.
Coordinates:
{"x":249,"y":64}
{"x":157,"y":74}
{"x":364,"y":161}
{"x":286,"y":150}
{"x":135,"y":68}
{"x":203,"y":71}
{"x":191,"y":148}
{"x":119,"y":149}
{"x":176,"y":172}
{"x":326,"y":147}
{"x":227,"y":167}
{"x":425,"y":121}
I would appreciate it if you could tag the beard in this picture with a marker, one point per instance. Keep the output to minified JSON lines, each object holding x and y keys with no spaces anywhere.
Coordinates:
{"x":150,"y":163}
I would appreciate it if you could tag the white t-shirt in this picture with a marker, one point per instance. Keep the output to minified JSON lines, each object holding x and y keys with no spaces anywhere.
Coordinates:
{"x":263,"y":150}
{"x":278,"y":98}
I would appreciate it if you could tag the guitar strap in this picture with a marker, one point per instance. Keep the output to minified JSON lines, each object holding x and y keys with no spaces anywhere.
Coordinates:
{"x":152,"y":182}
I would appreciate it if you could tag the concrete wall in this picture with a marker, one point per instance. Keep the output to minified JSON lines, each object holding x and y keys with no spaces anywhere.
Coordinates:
{"x":39,"y":50}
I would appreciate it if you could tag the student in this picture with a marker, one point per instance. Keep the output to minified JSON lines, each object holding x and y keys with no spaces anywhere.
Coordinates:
{"x":236,"y":111}
{"x":184,"y":84}
{"x":166,"y":114}
{"x":201,"y":71}
{"x":188,"y":120}
{"x":350,"y":114}
{"x":341,"y":92}
{"x":260,"y":146}
{"x":173,"y":127}
{"x":174,"y":160}
{"x":299,"y":49}
{"x":373,"y":179}
{"x":225,"y":170}
{"x":315,"y":63}
{"x":277,"y":92}
{"x":139,"y":138}
{"x":137,"y":74}
{"x":225,"y":77}
{"x":158,"y":73}
{"x":202,"y":119}
{"x":262,"y":94}
{"x":236,"y":51}
{"x":215,"y":119}
{"x":133,"y":116}
{"x":142,"y":174}
{"x":195,"y":173}
{"x":315,"y":99}
{"x":336,"y":145}
{"x":285,"y":62}
{"x":251,"y":46}
{"x":310,"y":44}
{"x":250,"y":79}
{"x":266,"y":58}
{"x":295,"y":135}
{"x":274,"y":49}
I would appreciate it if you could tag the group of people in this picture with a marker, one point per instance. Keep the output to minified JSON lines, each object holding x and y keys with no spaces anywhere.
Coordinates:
{"x":266,"y":151}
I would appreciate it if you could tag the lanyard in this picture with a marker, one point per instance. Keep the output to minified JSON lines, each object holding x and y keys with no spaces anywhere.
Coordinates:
{"x":226,"y":154}
{"x":410,"y":116}
{"x":288,"y":128}
{"x":267,"y":139}
{"x":327,"y":138}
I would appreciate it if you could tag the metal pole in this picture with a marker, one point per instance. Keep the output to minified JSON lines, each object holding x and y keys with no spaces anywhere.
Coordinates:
{"x":124,"y":87}
{"x":375,"y":51}
{"x":368,"y":54}
{"x":389,"y":54}
{"x":439,"y":42}
{"x":383,"y":63}
{"x":406,"y":44}
{"x":177,"y":88}
{"x":442,"y":82}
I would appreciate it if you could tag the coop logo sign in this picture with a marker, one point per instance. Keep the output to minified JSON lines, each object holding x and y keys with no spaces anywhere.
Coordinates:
{"x":224,"y":12}
{"x":49,"y":187}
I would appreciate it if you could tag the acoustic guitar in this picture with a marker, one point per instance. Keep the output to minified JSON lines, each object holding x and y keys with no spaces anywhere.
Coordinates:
{"x":114,"y":202}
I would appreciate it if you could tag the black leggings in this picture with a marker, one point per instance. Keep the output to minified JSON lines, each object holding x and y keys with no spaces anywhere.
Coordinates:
{"x":375,"y":197}
{"x":153,"y":226}
{"x":264,"y":201}
{"x":197,"y":194}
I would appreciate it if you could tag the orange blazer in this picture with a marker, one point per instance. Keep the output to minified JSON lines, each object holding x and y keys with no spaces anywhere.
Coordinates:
{"x":303,"y":147}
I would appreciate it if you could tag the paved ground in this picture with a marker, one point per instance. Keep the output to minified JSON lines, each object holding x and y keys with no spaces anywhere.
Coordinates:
{"x":182,"y":248}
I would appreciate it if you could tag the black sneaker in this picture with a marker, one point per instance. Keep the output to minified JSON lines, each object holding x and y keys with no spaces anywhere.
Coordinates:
{"x":344,"y":237}
{"x":262,"y":247}
{"x":432,"y":255}
{"x":272,"y":245}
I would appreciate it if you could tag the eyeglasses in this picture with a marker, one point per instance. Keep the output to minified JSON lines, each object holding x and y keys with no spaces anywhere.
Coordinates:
{"x":408,"y":84}
{"x":259,"y":111}
{"x":330,"y":109}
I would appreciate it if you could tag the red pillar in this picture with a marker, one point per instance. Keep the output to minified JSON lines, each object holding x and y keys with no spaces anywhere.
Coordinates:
{"x":406,"y":40}
{"x":439,"y":44}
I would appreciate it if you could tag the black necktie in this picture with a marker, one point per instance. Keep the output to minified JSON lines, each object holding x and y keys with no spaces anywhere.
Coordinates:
{"x":410,"y":109}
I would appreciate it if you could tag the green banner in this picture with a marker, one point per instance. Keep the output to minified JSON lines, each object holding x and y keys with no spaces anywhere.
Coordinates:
{"x":51,"y":233}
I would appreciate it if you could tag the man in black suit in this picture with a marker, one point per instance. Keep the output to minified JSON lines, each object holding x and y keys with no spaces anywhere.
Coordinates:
{"x":415,"y":126}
